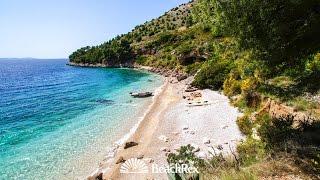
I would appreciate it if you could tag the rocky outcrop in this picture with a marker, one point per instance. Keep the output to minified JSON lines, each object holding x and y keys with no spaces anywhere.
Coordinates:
{"x":280,"y":111}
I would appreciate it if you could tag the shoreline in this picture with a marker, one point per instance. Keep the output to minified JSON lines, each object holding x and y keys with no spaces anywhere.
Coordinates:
{"x":170,"y":116}
{"x":116,"y":145}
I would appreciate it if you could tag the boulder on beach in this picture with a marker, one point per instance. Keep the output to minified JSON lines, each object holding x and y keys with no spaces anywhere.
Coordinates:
{"x":130,"y":144}
{"x":165,"y":149}
{"x":120,"y":160}
{"x":140,"y":156}
{"x":181,"y":77}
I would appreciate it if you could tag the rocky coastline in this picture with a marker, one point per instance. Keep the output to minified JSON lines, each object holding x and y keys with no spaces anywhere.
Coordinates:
{"x":179,"y":75}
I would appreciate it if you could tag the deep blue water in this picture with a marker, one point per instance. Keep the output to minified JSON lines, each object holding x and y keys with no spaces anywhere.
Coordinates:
{"x":54,"y":117}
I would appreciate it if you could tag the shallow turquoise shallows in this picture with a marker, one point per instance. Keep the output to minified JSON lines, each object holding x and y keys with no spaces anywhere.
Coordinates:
{"x":56,"y":121}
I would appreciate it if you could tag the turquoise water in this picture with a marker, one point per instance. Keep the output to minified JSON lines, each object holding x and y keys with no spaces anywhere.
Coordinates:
{"x":56,"y":121}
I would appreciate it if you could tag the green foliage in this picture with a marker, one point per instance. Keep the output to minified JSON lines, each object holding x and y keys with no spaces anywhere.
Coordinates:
{"x":193,"y":68}
{"x":251,"y":150}
{"x":185,"y":156}
{"x":313,"y":64}
{"x":120,"y":49}
{"x":245,"y":124}
{"x":141,"y":60}
{"x":279,"y":31}
{"x":237,"y":175}
{"x":115,"y":51}
{"x":212,"y":74}
{"x":232,"y":85}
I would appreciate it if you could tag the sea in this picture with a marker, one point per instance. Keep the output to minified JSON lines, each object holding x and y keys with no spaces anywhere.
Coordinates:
{"x":57,"y":121}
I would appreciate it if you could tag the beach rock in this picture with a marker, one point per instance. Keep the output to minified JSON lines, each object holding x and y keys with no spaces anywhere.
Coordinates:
{"x":120,"y":160}
{"x":130,"y":144}
{"x":181,"y":77}
{"x":140,"y":156}
{"x":206,"y":140}
{"x":165,"y":149}
{"x":163,"y":138}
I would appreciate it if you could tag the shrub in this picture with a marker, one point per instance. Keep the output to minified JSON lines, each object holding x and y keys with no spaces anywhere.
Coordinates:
{"x":275,"y":132}
{"x":270,"y":27}
{"x":232,"y":85}
{"x":212,"y":74}
{"x":313,"y":64}
{"x":245,"y":124}
{"x":249,"y":84}
{"x":141,"y":60}
{"x":185,"y":155}
{"x":237,"y":175}
{"x":251,"y":150}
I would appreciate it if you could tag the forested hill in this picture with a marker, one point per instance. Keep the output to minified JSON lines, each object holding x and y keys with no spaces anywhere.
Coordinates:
{"x":125,"y":48}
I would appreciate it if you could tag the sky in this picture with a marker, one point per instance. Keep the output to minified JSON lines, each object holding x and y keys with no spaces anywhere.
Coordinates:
{"x":56,"y":28}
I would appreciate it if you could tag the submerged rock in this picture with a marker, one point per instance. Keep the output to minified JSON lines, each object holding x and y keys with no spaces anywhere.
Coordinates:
{"x":105,"y":101}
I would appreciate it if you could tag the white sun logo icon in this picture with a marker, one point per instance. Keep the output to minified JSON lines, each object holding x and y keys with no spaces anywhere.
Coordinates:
{"x":134,"y":165}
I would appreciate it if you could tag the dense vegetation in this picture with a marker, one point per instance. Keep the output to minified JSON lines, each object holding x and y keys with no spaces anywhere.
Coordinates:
{"x":143,"y":40}
{"x":252,"y":51}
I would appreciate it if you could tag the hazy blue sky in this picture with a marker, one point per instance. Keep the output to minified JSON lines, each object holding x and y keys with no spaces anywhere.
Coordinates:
{"x":55,"y":28}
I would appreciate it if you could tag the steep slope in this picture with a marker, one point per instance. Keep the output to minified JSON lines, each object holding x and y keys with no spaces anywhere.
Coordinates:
{"x":157,"y":38}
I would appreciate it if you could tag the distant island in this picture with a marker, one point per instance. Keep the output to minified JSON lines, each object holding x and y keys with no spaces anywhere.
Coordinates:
{"x":263,"y":55}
